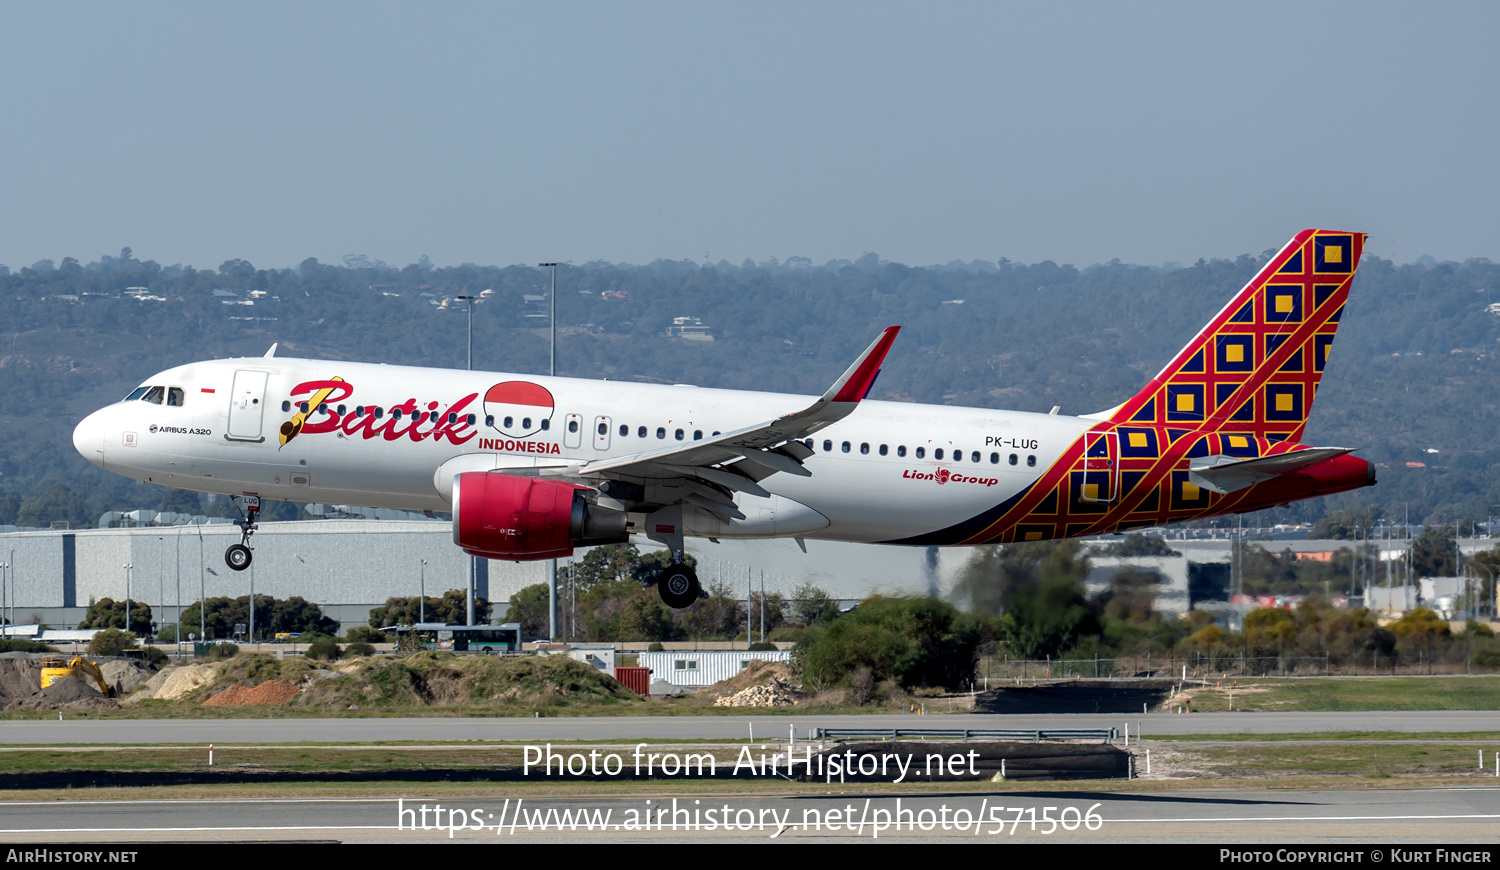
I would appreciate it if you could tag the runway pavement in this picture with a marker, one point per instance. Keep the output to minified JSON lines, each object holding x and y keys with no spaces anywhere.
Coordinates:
{"x":656,"y":728}
{"x":1262,"y":817}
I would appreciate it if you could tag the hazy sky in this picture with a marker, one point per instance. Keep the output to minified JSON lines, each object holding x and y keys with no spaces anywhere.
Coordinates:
{"x":926,"y":132}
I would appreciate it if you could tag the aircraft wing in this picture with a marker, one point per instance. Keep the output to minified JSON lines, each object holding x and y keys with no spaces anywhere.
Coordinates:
{"x":736,"y":460}
{"x":1226,"y":474}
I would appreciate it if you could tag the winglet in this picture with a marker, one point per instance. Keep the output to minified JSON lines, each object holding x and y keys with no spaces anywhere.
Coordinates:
{"x":858,"y":379}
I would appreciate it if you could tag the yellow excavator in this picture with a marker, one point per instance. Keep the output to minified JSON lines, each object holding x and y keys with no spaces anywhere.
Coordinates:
{"x":56,"y":669}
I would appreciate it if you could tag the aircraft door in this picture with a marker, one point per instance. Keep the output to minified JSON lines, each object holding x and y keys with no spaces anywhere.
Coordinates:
{"x":247,"y":406}
{"x":1101,"y":467}
{"x":573,"y":432}
{"x":601,"y":433}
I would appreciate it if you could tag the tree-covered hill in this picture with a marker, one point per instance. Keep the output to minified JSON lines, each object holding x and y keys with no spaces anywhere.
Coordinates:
{"x":1413,"y":369}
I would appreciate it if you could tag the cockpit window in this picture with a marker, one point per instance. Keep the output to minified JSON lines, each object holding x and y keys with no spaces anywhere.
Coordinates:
{"x":154,"y":395}
{"x":136,"y":393}
{"x":175,"y":396}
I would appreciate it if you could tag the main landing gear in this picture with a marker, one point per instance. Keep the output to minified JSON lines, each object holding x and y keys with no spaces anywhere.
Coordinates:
{"x":237,"y":557}
{"x":678,"y":585}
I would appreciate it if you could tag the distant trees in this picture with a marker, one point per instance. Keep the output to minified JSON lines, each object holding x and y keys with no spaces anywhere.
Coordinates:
{"x":294,"y":614}
{"x":109,"y":613}
{"x":451,"y":609}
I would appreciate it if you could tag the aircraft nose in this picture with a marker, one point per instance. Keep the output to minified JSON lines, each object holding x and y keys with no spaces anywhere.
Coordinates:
{"x":88,"y":438}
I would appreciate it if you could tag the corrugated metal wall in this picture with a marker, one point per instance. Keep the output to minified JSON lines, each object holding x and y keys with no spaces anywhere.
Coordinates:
{"x":704,"y":667}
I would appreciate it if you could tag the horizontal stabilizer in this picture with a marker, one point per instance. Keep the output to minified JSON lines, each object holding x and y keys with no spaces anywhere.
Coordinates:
{"x":1226,"y":474}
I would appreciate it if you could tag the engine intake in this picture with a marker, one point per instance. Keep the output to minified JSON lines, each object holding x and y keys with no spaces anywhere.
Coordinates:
{"x":502,"y":516}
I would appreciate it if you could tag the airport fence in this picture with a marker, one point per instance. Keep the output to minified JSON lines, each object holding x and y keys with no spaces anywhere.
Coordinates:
{"x":1233,"y":664}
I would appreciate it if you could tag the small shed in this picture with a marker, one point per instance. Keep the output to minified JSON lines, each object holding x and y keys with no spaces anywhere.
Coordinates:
{"x":705,"y":667}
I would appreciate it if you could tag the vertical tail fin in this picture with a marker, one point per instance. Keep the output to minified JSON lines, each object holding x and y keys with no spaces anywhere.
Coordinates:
{"x":1255,"y":367}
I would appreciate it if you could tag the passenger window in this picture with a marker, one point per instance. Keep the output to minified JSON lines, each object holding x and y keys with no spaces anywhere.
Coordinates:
{"x":901,"y":450}
{"x":303,"y":407}
{"x":323,"y":408}
{"x":343,"y":410}
{"x":697,"y":434}
{"x":379,"y":412}
{"x":141,"y":391}
{"x":641,"y":432}
{"x":974,"y":457}
{"x":603,"y":428}
{"x":546,"y":424}
{"x":994,"y":459}
{"x":921,"y":452}
{"x":677,"y":434}
{"x":845,"y":446}
{"x":938,"y":453}
{"x":808,"y":442}
{"x":660,"y":433}
{"x":572,"y":425}
{"x":154,"y":395}
{"x":489,"y":420}
{"x":286,"y":406}
{"x":827,"y":446}
{"x":452,"y":418}
{"x":471,"y":419}
{"x":1031,"y":460}
{"x":509,"y":421}
{"x":883,"y":449}
{"x":395,"y":412}
{"x":864,"y":449}
{"x":1013,"y":459}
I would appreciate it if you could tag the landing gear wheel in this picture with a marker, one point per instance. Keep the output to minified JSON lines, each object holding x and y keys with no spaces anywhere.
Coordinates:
{"x":237,"y":557}
{"x":678,"y":586}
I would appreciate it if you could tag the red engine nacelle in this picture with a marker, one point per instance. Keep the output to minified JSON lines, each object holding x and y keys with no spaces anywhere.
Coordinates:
{"x":502,"y":516}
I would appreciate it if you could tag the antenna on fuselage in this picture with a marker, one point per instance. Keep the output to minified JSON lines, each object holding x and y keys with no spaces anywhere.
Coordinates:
{"x":272,"y":352}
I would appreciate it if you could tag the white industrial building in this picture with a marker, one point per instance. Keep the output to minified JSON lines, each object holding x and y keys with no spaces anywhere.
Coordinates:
{"x":705,"y":667}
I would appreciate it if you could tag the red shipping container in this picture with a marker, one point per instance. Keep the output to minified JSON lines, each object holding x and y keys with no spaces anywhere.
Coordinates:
{"x":637,"y":680}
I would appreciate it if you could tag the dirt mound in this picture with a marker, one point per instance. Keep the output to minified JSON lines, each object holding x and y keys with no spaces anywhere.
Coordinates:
{"x":19,"y":677}
{"x":66,"y":693}
{"x":438,"y":679}
{"x":755,"y":674}
{"x":180,"y":681}
{"x":125,"y":675}
{"x":270,"y":692}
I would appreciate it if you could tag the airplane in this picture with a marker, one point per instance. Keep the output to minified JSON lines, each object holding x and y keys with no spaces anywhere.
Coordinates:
{"x":533,"y":467}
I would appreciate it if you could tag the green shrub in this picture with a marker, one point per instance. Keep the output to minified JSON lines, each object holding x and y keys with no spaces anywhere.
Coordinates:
{"x":155,"y":657}
{"x":359,"y":648}
{"x":656,"y":647}
{"x":365,"y":634}
{"x":763,"y":646}
{"x":221,"y":651}
{"x":325,"y":648}
{"x":111,"y":642}
{"x":25,"y":646}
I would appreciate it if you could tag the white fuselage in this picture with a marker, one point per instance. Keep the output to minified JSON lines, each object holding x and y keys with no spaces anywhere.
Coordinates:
{"x":888,"y":471}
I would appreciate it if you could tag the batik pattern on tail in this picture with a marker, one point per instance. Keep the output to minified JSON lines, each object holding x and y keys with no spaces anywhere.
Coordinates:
{"x":1242,"y":387}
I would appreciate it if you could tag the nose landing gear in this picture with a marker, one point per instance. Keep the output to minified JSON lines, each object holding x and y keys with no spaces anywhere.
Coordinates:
{"x":238,"y":557}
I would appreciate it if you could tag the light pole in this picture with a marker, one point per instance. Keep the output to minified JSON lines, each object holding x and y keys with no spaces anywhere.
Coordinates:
{"x":3,"y":621}
{"x":473,"y":560}
{"x":552,"y":372}
{"x":422,"y":602}
{"x":128,"y":566}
